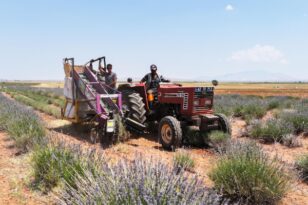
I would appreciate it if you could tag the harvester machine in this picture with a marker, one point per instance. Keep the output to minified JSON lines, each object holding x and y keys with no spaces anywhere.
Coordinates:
{"x":89,"y":100}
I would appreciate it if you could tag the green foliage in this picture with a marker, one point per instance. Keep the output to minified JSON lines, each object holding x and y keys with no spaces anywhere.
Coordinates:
{"x":21,"y":123}
{"x":246,"y":172}
{"x":218,"y":139}
{"x":123,"y":133}
{"x":297,"y":119}
{"x":54,"y":163}
{"x":270,"y":131}
{"x":250,"y":107}
{"x":183,"y":160}
{"x":43,"y":97}
{"x":26,"y":131}
{"x":248,"y":111}
{"x":41,"y":106}
{"x":273,"y":105}
{"x":253,"y":111}
{"x":302,"y":165}
{"x":291,"y":140}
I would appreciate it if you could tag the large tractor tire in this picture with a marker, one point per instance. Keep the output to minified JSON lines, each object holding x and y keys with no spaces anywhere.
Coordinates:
{"x":170,"y":133}
{"x":134,"y":106}
{"x":224,"y":124}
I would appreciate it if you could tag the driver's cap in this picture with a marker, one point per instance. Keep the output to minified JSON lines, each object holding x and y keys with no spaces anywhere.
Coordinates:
{"x":153,"y":67}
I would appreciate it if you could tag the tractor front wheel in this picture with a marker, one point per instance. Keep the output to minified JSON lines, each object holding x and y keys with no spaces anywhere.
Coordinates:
{"x":224,"y":124}
{"x":170,"y":133}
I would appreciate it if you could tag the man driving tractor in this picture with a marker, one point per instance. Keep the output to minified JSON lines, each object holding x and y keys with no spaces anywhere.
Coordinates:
{"x":152,"y":79}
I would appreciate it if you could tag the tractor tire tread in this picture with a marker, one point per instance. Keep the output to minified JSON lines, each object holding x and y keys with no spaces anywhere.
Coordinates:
{"x":225,"y":124}
{"x":176,"y":129}
{"x":136,"y":106}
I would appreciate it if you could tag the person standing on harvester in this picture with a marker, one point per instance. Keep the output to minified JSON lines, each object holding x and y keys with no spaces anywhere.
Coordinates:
{"x":111,"y":79}
{"x":152,"y":79}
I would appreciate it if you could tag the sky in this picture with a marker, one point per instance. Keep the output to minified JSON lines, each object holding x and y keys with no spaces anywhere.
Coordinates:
{"x":185,"y":39}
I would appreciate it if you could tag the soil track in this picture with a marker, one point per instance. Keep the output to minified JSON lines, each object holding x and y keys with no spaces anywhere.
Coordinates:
{"x":14,"y":176}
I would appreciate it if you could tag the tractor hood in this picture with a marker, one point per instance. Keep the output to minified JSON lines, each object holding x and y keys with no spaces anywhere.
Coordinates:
{"x":193,"y":100}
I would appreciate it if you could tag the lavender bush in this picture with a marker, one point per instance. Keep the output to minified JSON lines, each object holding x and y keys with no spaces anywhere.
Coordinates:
{"x":183,"y":160}
{"x":272,"y":130}
{"x":250,"y":107}
{"x":245,"y":171}
{"x":142,"y":181}
{"x":21,"y":123}
{"x":55,"y":162}
{"x":298,"y":117}
{"x":218,"y":140}
{"x":302,"y":165}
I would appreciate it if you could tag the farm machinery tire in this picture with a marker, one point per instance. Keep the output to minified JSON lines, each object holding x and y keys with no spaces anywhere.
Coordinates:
{"x":94,"y":135}
{"x":170,"y":133}
{"x":224,"y":124}
{"x":135,"y":108}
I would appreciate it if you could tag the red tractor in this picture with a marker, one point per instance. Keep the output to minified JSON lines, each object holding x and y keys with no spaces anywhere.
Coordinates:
{"x":182,"y":113}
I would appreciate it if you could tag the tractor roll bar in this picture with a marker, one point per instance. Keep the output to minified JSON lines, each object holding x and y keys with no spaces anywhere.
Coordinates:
{"x":99,"y":61}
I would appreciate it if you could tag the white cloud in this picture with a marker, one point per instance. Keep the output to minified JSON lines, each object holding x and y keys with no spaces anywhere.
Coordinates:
{"x":259,"y":54}
{"x":229,"y":7}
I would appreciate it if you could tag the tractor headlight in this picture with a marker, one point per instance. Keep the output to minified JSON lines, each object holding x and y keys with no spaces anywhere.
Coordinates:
{"x":208,"y":102}
{"x":196,"y":102}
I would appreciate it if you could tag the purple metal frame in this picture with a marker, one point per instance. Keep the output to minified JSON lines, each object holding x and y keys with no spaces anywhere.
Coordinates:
{"x":94,"y":100}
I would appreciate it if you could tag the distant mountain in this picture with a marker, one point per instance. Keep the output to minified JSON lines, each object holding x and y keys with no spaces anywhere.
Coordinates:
{"x":252,"y":76}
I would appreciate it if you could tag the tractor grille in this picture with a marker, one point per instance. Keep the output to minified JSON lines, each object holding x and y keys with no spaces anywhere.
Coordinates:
{"x":200,"y":108}
{"x":198,"y":95}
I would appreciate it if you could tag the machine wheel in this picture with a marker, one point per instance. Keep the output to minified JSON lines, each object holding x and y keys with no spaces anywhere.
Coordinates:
{"x":170,"y":132}
{"x":94,"y":135}
{"x":134,"y":105}
{"x":224,"y":123}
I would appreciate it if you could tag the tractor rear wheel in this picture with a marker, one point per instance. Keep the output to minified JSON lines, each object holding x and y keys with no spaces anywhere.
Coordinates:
{"x":224,"y":123}
{"x":134,"y":106}
{"x":170,"y":133}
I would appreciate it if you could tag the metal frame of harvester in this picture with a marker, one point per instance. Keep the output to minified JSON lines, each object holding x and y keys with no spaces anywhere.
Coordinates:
{"x":86,"y":90}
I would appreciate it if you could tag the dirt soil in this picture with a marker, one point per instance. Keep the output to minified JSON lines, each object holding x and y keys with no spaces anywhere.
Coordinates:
{"x":14,"y":176}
